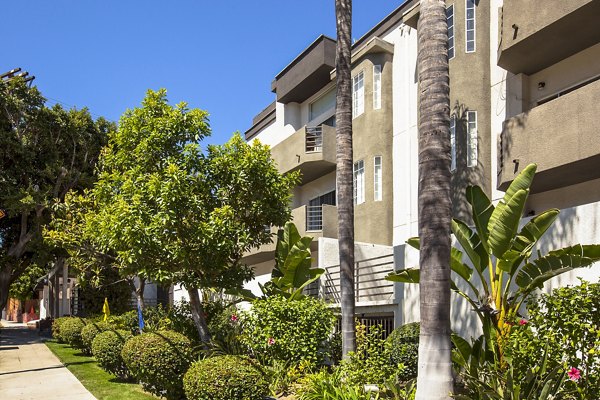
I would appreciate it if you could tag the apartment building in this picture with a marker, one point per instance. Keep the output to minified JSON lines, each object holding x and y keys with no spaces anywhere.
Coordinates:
{"x":524,"y":88}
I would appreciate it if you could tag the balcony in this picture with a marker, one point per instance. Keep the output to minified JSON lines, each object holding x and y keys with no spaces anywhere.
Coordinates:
{"x":534,"y":36}
{"x":561,"y":136}
{"x":370,"y":287}
{"x":310,"y":150}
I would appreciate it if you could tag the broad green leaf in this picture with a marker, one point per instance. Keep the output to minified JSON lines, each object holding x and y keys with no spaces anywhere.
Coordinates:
{"x":408,"y":275}
{"x":521,"y":182}
{"x":506,"y":220}
{"x":534,"y":230}
{"x":462,"y":348}
{"x":482,"y":209}
{"x":316,"y":274}
{"x":456,"y":264}
{"x":534,"y":274}
{"x":414,"y":242}
{"x":471,"y":243}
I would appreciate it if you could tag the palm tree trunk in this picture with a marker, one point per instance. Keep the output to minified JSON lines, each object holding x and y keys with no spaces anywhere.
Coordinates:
{"x":345,"y":191}
{"x":434,"y":379}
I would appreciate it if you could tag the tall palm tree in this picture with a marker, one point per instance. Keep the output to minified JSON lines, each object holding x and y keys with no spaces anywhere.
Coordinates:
{"x":434,"y":379}
{"x":344,"y":174}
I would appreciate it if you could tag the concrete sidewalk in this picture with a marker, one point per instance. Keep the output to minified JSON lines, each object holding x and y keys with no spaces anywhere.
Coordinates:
{"x":30,"y":371}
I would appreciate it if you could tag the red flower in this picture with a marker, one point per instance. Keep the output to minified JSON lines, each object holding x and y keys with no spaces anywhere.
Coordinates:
{"x":574,"y":374}
{"x":234,"y":318}
{"x":523,"y":322}
{"x":271,"y":341}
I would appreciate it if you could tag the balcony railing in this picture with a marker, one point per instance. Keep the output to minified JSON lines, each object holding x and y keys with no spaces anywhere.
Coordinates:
{"x":314,"y":218}
{"x":369,"y":282}
{"x":314,"y":139}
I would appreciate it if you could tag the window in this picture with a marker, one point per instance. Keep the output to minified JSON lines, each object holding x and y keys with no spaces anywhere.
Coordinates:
{"x":377,"y":179}
{"x":323,"y":107}
{"x":470,"y":26}
{"x":359,"y":182}
{"x":358,"y":94}
{"x":453,"y":142}
{"x":314,"y":211}
{"x":471,"y":138}
{"x":376,"y":87}
{"x":450,"y":22}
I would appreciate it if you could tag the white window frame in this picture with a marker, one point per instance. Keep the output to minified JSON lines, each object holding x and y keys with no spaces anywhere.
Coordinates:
{"x":358,"y":174}
{"x":376,"y":87}
{"x":472,"y":150}
{"x":358,"y":94}
{"x":474,"y":27}
{"x":453,"y":142}
{"x":377,"y":178}
{"x":451,"y":47}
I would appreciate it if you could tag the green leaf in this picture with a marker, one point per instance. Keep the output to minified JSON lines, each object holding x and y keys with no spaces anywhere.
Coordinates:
{"x":408,"y":275}
{"x":482,"y":209}
{"x":456,"y":264}
{"x":521,"y":182}
{"x":414,"y":242}
{"x":534,"y":274}
{"x":504,"y":223}
{"x":534,"y":230}
{"x":463,"y":350}
{"x":471,"y":243}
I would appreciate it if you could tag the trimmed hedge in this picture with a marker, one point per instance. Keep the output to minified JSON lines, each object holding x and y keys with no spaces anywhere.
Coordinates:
{"x":56,"y":324}
{"x":107,"y":347}
{"x":404,"y":349}
{"x":89,"y":332}
{"x":225,"y":378}
{"x":158,"y":360}
{"x":70,"y":332}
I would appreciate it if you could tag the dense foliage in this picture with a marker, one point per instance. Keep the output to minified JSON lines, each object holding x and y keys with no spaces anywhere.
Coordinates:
{"x":70,"y":331}
{"x":107,"y":347}
{"x":46,"y":152}
{"x":404,"y":349}
{"x":56,"y":331}
{"x":225,"y":378}
{"x":158,"y":360}
{"x":89,"y":332}
{"x":292,"y":331}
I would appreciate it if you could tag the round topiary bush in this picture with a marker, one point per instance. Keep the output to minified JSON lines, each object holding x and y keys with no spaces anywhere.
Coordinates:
{"x":159,"y":360}
{"x":89,"y":332}
{"x":106,"y":348}
{"x":225,"y":378}
{"x":404,"y":349}
{"x":70,"y":332}
{"x":56,"y":324}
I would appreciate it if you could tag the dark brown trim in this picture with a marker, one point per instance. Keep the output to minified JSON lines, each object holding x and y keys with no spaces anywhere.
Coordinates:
{"x":263,"y":119}
{"x":386,"y":24}
{"x":295,"y":61}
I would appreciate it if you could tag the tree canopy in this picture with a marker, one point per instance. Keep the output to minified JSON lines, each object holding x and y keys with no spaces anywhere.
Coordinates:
{"x":45,"y":153}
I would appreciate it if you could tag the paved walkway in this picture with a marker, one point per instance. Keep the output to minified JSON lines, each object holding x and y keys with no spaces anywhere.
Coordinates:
{"x":30,"y":371}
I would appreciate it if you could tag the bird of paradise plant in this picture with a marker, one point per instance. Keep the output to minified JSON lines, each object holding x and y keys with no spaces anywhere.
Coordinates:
{"x":500,"y":257}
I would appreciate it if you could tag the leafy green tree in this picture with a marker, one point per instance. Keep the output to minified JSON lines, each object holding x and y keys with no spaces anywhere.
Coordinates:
{"x":498,"y":248}
{"x":45,"y":152}
{"x":171,"y":212}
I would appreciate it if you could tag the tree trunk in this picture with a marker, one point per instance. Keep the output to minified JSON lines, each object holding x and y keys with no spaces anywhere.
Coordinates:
{"x":139,"y":290}
{"x":434,"y":379}
{"x":198,"y":316}
{"x":5,"y":282}
{"x":344,"y":172}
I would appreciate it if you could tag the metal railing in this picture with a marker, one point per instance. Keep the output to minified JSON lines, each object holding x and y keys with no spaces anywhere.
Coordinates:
{"x":369,"y":281}
{"x":314,"y":218}
{"x":314,"y":139}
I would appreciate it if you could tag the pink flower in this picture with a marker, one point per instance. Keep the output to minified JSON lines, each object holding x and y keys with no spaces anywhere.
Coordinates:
{"x":271,"y":341}
{"x":574,"y":374}
{"x":523,"y":322}
{"x":234,"y":318}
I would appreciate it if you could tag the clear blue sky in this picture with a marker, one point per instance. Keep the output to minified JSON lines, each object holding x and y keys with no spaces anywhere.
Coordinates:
{"x":218,"y":55}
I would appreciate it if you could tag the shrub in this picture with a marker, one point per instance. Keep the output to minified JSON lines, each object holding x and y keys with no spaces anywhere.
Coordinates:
{"x":106,"y":348}
{"x":293,"y":331}
{"x":225,"y":378}
{"x":331,"y":386}
{"x":567,"y":321}
{"x":56,"y":324}
{"x":404,"y":349}
{"x":89,"y":332}
{"x":370,"y":363}
{"x":70,"y":332}
{"x":159,"y":360}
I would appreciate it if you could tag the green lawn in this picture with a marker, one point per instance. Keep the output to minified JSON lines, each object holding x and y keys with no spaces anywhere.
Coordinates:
{"x":101,"y":384}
